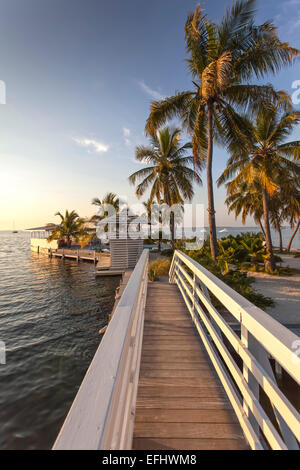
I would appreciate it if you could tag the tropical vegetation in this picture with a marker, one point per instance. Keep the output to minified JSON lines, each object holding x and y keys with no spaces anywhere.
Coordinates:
{"x":168,"y":171}
{"x":158,"y":268}
{"x":263,"y":160}
{"x":109,"y":202}
{"x":71,"y":228}
{"x":237,"y":255}
{"x":222,"y":60}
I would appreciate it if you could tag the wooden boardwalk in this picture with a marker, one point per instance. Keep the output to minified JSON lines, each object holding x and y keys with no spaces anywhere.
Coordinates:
{"x":181,"y":403}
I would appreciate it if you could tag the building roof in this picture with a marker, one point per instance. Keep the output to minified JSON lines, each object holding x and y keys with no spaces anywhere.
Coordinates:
{"x":122,"y":217}
{"x":46,"y":228}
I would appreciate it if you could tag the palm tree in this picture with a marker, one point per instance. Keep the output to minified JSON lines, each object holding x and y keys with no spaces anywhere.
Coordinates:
{"x":222,"y":60}
{"x":70,"y":227}
{"x":153,"y":214}
{"x":148,"y":207}
{"x":291,"y":206}
{"x":246,"y":201}
{"x":261,"y":157}
{"x":288,"y":249}
{"x":110,"y":199}
{"x":168,"y":172}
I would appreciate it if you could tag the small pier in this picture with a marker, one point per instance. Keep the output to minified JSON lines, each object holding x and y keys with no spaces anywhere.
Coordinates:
{"x":172,"y":373}
{"x":101,"y":259}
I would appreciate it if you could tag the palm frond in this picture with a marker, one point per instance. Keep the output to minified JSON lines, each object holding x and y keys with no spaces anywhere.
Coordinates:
{"x":162,"y":111}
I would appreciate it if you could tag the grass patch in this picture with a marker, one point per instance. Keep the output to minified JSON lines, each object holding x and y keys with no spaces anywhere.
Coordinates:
{"x":159,"y":267}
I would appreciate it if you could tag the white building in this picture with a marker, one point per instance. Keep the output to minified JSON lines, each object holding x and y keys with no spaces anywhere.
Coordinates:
{"x":39,"y":236}
{"x":125,"y":239}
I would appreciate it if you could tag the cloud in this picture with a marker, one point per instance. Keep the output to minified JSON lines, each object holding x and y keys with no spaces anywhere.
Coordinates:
{"x":153,"y":93}
{"x":126,"y":135}
{"x":92,"y":144}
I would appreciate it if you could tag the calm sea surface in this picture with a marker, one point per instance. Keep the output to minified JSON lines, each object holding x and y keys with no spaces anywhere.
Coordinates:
{"x":50,"y":315}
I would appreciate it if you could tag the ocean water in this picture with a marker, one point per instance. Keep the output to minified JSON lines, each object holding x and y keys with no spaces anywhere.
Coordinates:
{"x":50,"y":314}
{"x":225,"y":231}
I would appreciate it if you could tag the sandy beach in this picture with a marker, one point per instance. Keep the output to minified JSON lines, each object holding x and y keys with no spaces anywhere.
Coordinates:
{"x":285,"y":290}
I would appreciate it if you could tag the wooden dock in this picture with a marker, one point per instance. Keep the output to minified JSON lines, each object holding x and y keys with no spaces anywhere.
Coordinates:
{"x":165,"y":376}
{"x":181,"y":403}
{"x":101,"y":259}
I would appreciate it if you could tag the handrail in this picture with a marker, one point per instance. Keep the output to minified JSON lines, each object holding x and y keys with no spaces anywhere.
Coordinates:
{"x":102,"y":414}
{"x":261,"y":337}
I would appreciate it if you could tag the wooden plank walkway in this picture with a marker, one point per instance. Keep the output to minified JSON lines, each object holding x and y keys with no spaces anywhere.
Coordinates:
{"x":181,"y":403}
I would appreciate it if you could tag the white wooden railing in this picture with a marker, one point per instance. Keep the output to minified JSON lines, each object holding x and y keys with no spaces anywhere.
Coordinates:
{"x":261,"y":338}
{"x":102,"y":414}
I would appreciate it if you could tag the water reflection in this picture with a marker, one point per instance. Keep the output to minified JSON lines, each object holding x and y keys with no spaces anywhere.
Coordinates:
{"x":50,"y":314}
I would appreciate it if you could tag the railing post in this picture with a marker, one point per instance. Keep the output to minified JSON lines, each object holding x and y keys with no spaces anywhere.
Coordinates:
{"x":194,"y":292}
{"x":250,"y":343}
{"x":177,"y":264}
{"x":172,"y":269}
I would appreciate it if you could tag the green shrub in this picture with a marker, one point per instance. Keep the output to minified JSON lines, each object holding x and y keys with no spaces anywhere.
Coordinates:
{"x":236,"y":279}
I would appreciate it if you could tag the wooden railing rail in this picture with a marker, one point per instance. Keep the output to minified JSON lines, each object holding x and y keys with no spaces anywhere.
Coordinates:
{"x":102,"y":414}
{"x":261,"y":338}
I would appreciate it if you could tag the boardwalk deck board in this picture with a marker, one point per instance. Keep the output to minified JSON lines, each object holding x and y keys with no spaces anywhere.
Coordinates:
{"x":181,"y":403}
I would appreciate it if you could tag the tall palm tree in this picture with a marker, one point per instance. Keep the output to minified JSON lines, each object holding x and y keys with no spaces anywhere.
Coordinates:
{"x":261,"y":156}
{"x":168,"y":173}
{"x":276,"y":215}
{"x":222,"y":60}
{"x":70,"y":228}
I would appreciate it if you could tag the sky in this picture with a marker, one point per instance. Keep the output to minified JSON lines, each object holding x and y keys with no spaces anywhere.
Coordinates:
{"x":80,"y":76}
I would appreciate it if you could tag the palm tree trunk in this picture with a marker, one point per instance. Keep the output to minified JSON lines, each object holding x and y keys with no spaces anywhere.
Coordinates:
{"x":159,"y":230}
{"x":288,"y":249}
{"x":210,"y":188}
{"x":172,"y":218}
{"x":280,"y":239}
{"x":172,"y":226}
{"x":270,"y":264}
{"x":261,"y":227}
